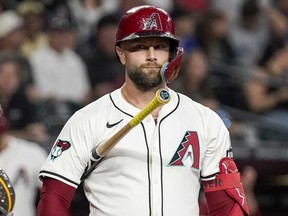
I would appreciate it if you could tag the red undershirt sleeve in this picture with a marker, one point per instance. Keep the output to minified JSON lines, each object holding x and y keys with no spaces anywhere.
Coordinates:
{"x":55,"y":198}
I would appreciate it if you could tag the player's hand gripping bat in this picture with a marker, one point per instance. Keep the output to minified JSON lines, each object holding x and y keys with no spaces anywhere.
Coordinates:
{"x":162,"y":97}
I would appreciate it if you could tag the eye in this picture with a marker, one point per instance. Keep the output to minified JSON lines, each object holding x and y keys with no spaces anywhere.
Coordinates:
{"x":164,"y":47}
{"x":141,"y":46}
{"x":135,"y":47}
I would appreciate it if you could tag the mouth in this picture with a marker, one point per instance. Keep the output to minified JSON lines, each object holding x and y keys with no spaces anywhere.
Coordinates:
{"x":151,"y":69}
{"x":151,"y":66}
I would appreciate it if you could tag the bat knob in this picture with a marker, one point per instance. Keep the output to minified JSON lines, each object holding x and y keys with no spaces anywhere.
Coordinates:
{"x":163,"y":96}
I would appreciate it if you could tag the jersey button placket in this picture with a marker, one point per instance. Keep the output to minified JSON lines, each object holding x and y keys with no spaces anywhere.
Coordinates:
{"x":155,"y":172}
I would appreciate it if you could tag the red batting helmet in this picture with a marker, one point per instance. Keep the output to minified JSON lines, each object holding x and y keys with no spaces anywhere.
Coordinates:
{"x":145,"y":21}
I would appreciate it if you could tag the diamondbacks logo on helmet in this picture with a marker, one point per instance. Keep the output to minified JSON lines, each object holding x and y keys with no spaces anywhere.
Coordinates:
{"x":153,"y":23}
{"x":188,"y":152}
{"x":58,"y":148}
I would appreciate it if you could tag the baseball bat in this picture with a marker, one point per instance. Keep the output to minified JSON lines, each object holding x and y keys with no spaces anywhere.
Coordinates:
{"x":161,"y":97}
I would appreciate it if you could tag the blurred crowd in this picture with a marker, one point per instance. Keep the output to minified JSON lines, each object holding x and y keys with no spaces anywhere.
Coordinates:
{"x":58,"y":55}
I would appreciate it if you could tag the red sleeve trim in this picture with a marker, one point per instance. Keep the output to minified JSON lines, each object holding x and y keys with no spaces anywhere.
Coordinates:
{"x":55,"y":199}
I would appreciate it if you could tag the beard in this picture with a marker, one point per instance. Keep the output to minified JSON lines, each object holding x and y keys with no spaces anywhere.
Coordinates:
{"x":144,"y":81}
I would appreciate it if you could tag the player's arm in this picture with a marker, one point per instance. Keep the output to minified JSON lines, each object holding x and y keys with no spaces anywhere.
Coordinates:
{"x":55,"y":198}
{"x":225,"y":195}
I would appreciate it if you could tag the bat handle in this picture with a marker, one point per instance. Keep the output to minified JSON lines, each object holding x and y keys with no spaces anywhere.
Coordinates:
{"x":95,"y":159}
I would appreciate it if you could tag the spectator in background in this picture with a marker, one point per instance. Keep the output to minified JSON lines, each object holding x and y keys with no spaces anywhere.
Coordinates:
{"x":199,"y":6}
{"x":11,"y":31}
{"x":249,"y":178}
{"x":11,"y":38}
{"x":266,"y":94}
{"x":124,"y":5}
{"x":195,"y":80}
{"x":59,"y":72}
{"x":249,"y":34}
{"x":86,"y":14}
{"x":185,"y":24}
{"x":20,"y":111}
{"x":230,"y":8}
{"x":21,"y":160}
{"x":56,"y":7}
{"x":32,"y":13}
{"x":105,"y":71}
{"x":166,"y":5}
{"x":212,"y":36}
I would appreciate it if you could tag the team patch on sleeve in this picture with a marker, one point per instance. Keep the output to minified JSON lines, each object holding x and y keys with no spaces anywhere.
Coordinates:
{"x":58,"y":148}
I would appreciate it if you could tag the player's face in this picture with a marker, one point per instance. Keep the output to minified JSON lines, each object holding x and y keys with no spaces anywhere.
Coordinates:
{"x":143,"y":59}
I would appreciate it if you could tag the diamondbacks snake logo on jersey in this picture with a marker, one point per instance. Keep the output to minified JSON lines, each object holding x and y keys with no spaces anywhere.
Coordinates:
{"x":58,"y":148}
{"x":188,"y":152}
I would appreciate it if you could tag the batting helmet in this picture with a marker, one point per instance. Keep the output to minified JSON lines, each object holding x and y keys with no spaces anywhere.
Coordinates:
{"x":7,"y":194}
{"x":146,"y":21}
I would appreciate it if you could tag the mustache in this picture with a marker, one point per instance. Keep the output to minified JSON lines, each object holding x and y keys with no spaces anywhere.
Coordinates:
{"x":151,"y":65}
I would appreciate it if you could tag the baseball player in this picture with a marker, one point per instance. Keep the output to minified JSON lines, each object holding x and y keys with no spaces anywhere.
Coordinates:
{"x":22,"y":161}
{"x":157,"y":167}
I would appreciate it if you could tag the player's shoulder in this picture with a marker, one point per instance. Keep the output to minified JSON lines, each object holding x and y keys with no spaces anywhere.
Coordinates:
{"x":197,"y":108}
{"x":28,"y":146}
{"x":187,"y":101}
{"x":100,"y":107}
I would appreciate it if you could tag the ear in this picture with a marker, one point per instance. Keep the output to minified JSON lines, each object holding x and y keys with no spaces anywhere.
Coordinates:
{"x":120,"y":54}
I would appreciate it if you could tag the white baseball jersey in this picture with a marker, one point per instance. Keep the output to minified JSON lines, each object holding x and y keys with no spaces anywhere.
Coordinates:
{"x":22,"y":161}
{"x":154,"y":170}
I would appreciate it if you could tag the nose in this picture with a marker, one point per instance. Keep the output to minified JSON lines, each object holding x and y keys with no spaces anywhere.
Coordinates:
{"x":151,"y":55}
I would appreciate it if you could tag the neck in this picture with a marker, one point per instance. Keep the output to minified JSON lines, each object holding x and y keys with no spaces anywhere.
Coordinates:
{"x":139,"y":99}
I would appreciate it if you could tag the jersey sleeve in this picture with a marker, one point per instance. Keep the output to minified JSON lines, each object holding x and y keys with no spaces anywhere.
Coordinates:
{"x":39,"y":156}
{"x":69,"y":155}
{"x":218,"y":145}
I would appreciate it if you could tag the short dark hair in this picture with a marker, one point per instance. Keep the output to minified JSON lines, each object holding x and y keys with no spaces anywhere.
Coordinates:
{"x":109,"y":19}
{"x":250,"y":8}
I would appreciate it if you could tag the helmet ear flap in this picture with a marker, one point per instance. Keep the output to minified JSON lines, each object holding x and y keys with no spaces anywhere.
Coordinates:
{"x":173,"y":49}
{"x":170,"y":70}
